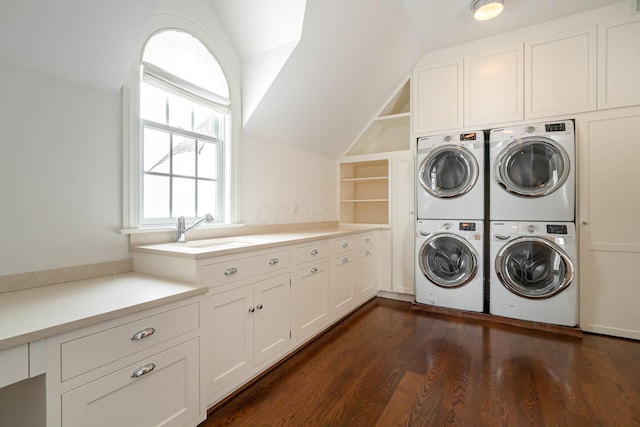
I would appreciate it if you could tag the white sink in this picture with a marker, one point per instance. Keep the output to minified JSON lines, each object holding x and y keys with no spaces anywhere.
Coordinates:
{"x":220,"y":243}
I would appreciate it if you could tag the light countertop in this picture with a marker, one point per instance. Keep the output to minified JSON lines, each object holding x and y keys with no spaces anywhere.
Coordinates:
{"x":32,"y":314}
{"x":205,"y":248}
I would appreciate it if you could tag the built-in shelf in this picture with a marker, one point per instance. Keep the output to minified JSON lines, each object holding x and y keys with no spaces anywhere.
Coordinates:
{"x":364,"y":192}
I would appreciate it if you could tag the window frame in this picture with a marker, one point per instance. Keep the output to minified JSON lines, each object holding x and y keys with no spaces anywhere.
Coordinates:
{"x":132,"y":130}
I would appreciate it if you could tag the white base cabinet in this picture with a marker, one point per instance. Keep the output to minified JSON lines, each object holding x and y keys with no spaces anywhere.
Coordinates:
{"x":247,"y":325}
{"x":341,"y":273}
{"x":139,"y":370}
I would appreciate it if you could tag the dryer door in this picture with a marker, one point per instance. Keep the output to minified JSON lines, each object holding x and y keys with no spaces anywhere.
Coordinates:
{"x":448,"y":171}
{"x":448,"y":260}
{"x":533,"y":166}
{"x":533,"y":267}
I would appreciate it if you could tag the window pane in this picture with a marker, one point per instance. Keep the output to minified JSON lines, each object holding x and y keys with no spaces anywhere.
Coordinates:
{"x":156,"y":151}
{"x":184,"y":158}
{"x":185,"y":56}
{"x":184,"y":197}
{"x":153,"y":103}
{"x":156,"y":196}
{"x":207,"y":160}
{"x":203,"y":120}
{"x":179,"y":112}
{"x":207,"y":196}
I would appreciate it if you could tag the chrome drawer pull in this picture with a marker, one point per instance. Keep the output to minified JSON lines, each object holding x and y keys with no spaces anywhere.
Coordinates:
{"x":252,"y":310}
{"x":143,"y":370}
{"x":314,"y":270}
{"x":259,"y":306}
{"x":314,"y":252}
{"x":345,"y":260}
{"x":273,"y":261}
{"x":345,"y":245}
{"x":142,"y":334}
{"x":367,"y":240}
{"x":230,"y":271}
{"x":367,"y":253}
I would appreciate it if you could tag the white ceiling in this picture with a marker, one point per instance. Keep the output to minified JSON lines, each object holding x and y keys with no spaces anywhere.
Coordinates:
{"x":315,"y":71}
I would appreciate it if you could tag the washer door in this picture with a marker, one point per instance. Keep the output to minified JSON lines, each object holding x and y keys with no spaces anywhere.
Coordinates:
{"x":448,"y":260}
{"x":448,"y":171}
{"x":533,"y":166}
{"x":533,"y":267}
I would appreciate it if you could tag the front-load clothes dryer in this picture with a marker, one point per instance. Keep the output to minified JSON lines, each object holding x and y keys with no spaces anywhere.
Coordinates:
{"x":449,"y":268}
{"x":534,"y":271}
{"x":532,"y":172}
{"x":450,"y":172}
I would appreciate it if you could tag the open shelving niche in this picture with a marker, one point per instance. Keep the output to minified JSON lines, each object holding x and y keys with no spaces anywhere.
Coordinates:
{"x":364,"y":169}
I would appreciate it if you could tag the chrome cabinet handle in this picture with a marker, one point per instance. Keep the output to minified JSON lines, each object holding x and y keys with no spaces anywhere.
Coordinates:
{"x":252,"y":309}
{"x":259,"y":306}
{"x":273,"y":261}
{"x":367,"y":253}
{"x":314,"y":270}
{"x":230,"y":271}
{"x":143,"y":370}
{"x":146,"y":332}
{"x":345,"y":245}
{"x":367,"y":240}
{"x":345,"y":260}
{"x":314,"y":252}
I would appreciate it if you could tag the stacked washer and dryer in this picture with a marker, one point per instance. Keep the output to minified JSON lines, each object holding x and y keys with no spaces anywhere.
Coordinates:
{"x":533,"y":245}
{"x":450,"y":225}
{"x":531,"y":255}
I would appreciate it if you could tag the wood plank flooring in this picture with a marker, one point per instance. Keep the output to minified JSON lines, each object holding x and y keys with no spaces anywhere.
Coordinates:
{"x":389,"y":365}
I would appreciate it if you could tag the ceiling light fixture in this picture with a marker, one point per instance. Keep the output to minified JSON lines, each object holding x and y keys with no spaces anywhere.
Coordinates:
{"x":484,"y":10}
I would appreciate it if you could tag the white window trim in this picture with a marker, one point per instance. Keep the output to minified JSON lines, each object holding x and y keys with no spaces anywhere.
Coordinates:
{"x":131,"y":150}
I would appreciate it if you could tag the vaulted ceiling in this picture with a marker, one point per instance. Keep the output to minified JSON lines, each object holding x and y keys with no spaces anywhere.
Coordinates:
{"x":314,"y":71}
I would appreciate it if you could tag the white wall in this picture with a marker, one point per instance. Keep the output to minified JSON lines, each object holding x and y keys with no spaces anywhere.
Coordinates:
{"x":281,"y":184}
{"x":60,"y":173}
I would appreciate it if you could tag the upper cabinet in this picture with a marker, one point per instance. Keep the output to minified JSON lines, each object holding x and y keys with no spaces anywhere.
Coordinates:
{"x":560,"y":74}
{"x":437,"y":96}
{"x":619,"y":63}
{"x":493,"y":86}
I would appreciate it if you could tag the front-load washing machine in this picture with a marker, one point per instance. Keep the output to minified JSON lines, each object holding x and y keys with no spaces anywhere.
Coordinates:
{"x":450,"y":172}
{"x":532,"y":172}
{"x":449,"y":268}
{"x":534,"y":271}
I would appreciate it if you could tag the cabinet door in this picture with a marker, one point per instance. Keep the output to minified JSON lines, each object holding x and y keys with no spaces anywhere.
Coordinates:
{"x":272,"y":327}
{"x":608,"y":215}
{"x":560,"y":74}
{"x":341,"y":284}
{"x":402,"y":238}
{"x":229,"y":338}
{"x":366,"y":274}
{"x":166,"y":395}
{"x":310,"y":300}
{"x":437,"y":96}
{"x":493,"y":87}
{"x":619,"y":63}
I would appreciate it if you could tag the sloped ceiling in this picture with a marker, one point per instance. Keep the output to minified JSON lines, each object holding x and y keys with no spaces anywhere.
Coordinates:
{"x":91,"y":42}
{"x":315,"y":71}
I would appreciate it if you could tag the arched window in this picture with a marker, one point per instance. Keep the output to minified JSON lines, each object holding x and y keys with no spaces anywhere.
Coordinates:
{"x":185,"y":130}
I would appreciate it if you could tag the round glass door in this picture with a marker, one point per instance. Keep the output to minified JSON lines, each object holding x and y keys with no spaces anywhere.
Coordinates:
{"x":448,"y":171}
{"x":533,"y":267}
{"x":532,"y":167}
{"x":448,"y":260}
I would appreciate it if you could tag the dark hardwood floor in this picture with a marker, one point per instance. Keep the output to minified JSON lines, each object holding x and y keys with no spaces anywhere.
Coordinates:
{"x":388,"y":365}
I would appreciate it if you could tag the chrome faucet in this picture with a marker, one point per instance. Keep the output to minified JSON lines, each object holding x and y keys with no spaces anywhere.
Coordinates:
{"x":182,"y":230}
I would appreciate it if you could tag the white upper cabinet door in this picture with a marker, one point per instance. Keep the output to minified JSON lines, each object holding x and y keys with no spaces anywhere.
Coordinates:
{"x":437,"y":96}
{"x":619,"y":63}
{"x":493,"y":83}
{"x":560,"y":74}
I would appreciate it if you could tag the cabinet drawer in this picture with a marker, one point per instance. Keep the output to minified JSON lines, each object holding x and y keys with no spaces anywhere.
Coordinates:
{"x":243,"y":268}
{"x":92,"y":351}
{"x":312,"y":252}
{"x":366,"y":241}
{"x":165,"y":395}
{"x":343,"y":245}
